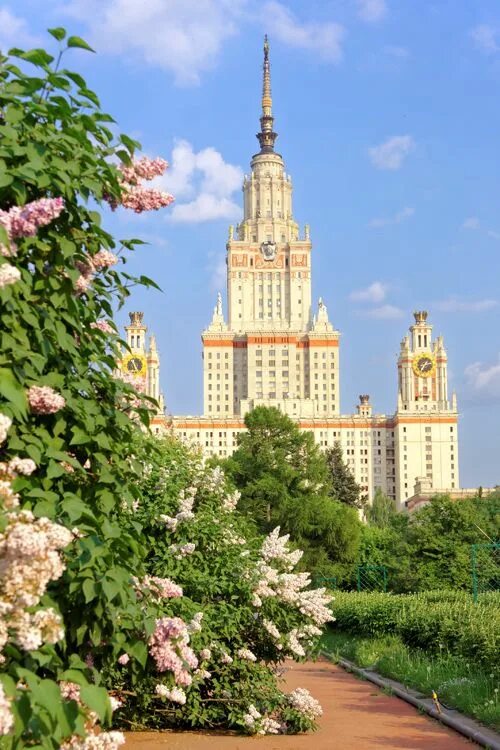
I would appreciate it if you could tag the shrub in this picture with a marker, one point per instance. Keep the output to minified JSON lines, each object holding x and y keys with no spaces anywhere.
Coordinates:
{"x":245,"y":606}
{"x":456,"y":624}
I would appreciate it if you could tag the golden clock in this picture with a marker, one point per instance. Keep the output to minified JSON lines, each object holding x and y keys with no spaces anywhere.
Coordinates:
{"x":424,"y":365}
{"x":135,"y":364}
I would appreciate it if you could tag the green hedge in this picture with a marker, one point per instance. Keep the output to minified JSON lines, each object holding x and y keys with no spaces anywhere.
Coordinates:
{"x":434,"y":621}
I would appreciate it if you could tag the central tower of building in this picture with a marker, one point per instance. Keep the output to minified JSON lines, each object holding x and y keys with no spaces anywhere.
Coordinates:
{"x":273,"y":349}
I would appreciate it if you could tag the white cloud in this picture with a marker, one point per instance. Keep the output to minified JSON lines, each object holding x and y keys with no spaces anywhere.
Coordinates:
{"x":493,"y":235}
{"x":14,"y":31}
{"x":376,"y":292}
{"x":484,"y":379}
{"x":454,"y":304}
{"x":485,"y":38}
{"x":402,"y":215}
{"x":371,"y":10}
{"x":183,"y":37}
{"x":391,"y":153}
{"x":472,"y":222}
{"x":323,"y":38}
{"x":385,"y":312}
{"x":202,"y":183}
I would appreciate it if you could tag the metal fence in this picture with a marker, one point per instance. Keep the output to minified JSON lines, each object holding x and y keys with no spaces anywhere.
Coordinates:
{"x":371,"y":578}
{"x":485,"y":564}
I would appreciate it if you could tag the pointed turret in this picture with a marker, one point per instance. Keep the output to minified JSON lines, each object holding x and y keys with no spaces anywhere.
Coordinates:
{"x":267,"y":136}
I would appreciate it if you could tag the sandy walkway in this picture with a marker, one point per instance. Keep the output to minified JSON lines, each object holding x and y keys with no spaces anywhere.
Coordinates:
{"x":357,"y":716}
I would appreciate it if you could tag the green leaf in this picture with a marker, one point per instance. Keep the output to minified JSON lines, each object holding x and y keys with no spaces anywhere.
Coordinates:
{"x":36,"y":57}
{"x":77,"y":41}
{"x":11,"y":390}
{"x":89,"y":590}
{"x":96,"y":698}
{"x":58,"y":33}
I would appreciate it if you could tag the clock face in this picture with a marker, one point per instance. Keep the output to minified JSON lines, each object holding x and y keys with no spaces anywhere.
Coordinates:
{"x":424,"y":365}
{"x":268,"y":250}
{"x":135,"y":365}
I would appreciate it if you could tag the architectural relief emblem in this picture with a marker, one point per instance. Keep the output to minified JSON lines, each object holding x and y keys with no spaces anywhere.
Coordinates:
{"x":299,"y":260}
{"x":268,"y":250}
{"x":276,"y":263}
{"x":240,"y":260}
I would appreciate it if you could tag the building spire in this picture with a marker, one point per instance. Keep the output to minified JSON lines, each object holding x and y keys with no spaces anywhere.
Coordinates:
{"x":266,"y":136}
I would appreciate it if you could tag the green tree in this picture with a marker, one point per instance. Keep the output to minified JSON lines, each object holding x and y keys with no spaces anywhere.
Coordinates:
{"x":284,"y":481}
{"x":343,"y":485}
{"x":381,"y":511}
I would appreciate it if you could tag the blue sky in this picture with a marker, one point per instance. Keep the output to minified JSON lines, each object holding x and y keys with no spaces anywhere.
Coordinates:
{"x":388,"y":117}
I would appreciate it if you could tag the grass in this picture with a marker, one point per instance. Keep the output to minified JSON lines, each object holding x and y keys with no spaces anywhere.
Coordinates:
{"x":459,"y":684}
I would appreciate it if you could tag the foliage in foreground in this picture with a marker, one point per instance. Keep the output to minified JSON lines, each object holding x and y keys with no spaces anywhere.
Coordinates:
{"x":285,"y":481}
{"x":428,"y":621}
{"x":457,"y":682}
{"x":80,"y":605}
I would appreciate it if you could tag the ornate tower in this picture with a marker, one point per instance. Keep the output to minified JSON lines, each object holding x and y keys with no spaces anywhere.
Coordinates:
{"x":425,"y":423}
{"x":142,"y":365}
{"x":272,"y":350}
{"x":422,"y":370}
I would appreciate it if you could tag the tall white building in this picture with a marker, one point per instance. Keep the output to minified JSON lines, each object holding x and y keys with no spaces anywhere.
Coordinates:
{"x":276,"y":349}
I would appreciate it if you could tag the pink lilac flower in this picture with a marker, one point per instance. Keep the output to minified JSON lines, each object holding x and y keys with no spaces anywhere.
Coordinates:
{"x":44,"y":400}
{"x":23,"y":221}
{"x":123,"y":659}
{"x":103,"y":325}
{"x":8,"y":275}
{"x":24,"y":466}
{"x":104,"y":259}
{"x":141,"y":199}
{"x":205,"y":654}
{"x":143,"y":169}
{"x":70,"y":691}
{"x":169,"y":648}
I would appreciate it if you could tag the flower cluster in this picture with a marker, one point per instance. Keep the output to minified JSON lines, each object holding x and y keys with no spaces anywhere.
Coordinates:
{"x":175,"y":694}
{"x":156,"y":588}
{"x":134,"y":195}
{"x":24,"y":221}
{"x":29,"y":560}
{"x":259,"y":724}
{"x":45,"y":400}
{"x":246,"y":654}
{"x":90,"y":266}
{"x":275,"y":548}
{"x":169,"y":647}
{"x":185,"y":513}
{"x":6,"y":716}
{"x":301,"y":700}
{"x":5,"y":424}
{"x":8,"y":275}
{"x":101,"y":741}
{"x":103,"y":325}
{"x":182,"y":550}
{"x":230,"y":501}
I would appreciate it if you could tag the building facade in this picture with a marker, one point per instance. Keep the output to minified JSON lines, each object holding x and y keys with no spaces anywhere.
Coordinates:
{"x":275,"y":348}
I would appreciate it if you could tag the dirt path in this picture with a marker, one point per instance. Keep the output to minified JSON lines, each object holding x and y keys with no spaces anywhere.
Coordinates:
{"x":357,"y":716}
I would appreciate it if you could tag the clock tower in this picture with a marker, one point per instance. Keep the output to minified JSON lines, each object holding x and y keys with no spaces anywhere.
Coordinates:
{"x":141,"y":364}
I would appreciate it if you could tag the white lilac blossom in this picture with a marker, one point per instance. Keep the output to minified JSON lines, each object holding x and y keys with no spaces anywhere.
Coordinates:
{"x":246,"y":654}
{"x":302,"y":700}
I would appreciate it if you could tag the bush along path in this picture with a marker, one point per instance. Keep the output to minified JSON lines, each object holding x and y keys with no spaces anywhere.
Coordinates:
{"x":131,"y":591}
